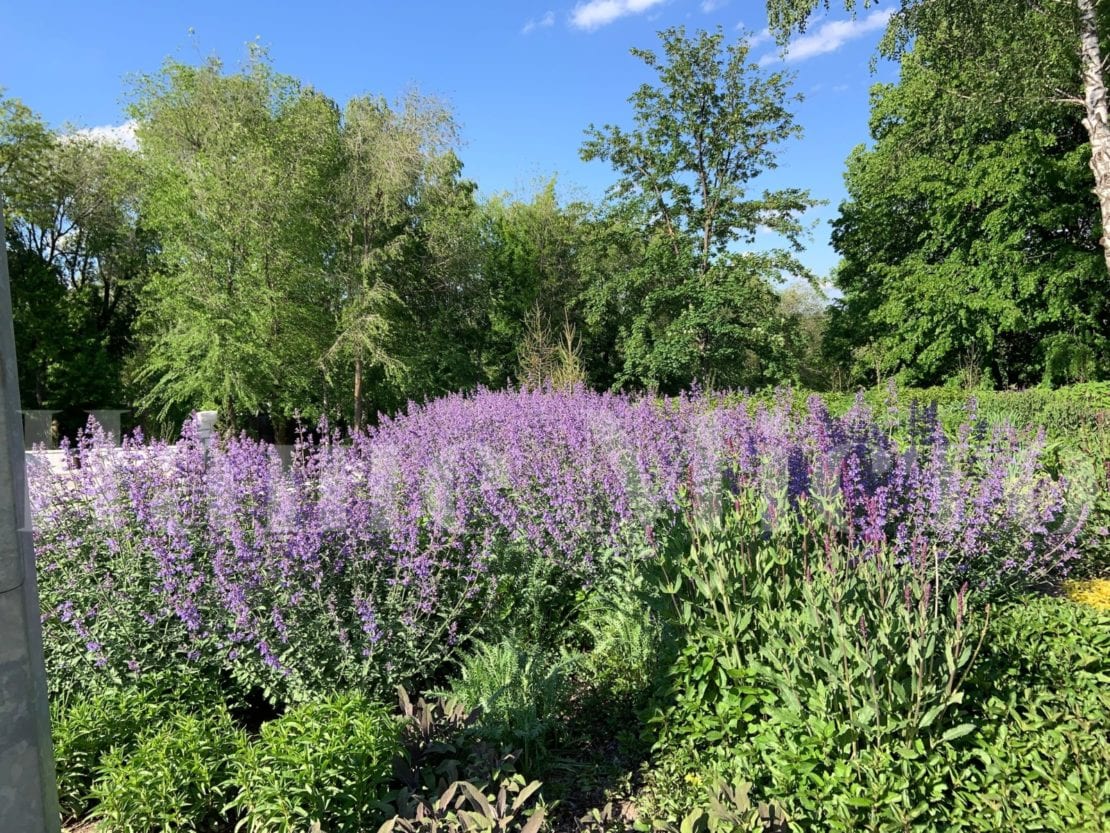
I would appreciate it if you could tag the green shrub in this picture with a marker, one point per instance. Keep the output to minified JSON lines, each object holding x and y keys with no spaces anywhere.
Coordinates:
{"x":1050,"y":643}
{"x":174,"y":778}
{"x":518,"y":690}
{"x":84,"y":732}
{"x":609,"y":682}
{"x":536,"y":598}
{"x":326,"y":762}
{"x":1040,"y":760}
{"x":827,"y":680}
{"x":854,"y":697}
{"x":451,"y":782}
{"x":86,"y":729}
{"x":623,"y":638}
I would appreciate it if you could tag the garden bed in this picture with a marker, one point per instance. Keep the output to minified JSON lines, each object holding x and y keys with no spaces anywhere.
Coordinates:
{"x":620,"y":610}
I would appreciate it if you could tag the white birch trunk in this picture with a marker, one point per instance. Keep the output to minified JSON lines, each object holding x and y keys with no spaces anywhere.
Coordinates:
{"x":1097,"y":118}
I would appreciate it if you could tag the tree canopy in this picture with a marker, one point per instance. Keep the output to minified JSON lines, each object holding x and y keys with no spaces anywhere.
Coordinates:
{"x":279,"y":255}
{"x":695,"y":305}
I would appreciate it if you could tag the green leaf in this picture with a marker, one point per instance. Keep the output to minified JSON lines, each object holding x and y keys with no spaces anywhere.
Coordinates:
{"x":958,"y":732}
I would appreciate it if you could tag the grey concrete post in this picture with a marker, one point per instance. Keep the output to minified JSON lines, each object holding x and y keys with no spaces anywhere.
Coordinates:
{"x":28,"y":793}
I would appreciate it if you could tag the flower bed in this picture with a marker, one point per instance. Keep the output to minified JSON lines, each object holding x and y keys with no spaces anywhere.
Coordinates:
{"x":362,"y":561}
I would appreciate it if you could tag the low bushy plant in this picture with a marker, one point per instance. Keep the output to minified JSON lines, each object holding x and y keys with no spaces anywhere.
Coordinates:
{"x":518,"y":690}
{"x":84,"y":732}
{"x":1049,"y":643}
{"x":622,"y":637}
{"x":85,"y":729}
{"x":823,"y":675}
{"x":616,"y":644}
{"x":327,"y":763}
{"x":433,"y":737}
{"x":173,"y":778}
{"x":465,"y":807}
{"x":1041,"y":696}
{"x":444,"y":768}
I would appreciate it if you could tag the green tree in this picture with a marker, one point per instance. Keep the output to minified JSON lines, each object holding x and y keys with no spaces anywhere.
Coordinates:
{"x":695,"y":306}
{"x":970,"y":237}
{"x":530,"y":271}
{"x":25,"y":142}
{"x":392,"y":158}
{"x":78,"y":253}
{"x":806,"y":312}
{"x":1044,"y":51}
{"x":238,"y":176}
{"x":441,"y":290}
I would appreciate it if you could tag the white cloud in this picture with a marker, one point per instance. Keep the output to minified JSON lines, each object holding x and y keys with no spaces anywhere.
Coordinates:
{"x":596,"y":13}
{"x":112,"y":134}
{"x":709,"y":6}
{"x":829,"y":37}
{"x":545,"y":22}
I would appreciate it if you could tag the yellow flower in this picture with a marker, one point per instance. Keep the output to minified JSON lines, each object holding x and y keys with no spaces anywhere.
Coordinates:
{"x":1094,"y":592}
{"x":693,"y":778}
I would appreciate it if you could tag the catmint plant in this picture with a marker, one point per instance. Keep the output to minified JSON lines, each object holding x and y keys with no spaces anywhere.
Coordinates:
{"x":367,"y":559}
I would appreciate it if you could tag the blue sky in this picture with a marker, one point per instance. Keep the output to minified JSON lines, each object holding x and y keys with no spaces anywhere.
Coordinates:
{"x":524,"y":78}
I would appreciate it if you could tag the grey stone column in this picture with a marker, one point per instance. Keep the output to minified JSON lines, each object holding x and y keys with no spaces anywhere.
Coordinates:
{"x":28,"y":793}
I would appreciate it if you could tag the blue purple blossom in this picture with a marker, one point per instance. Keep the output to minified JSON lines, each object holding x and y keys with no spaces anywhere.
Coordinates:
{"x":366,"y":554}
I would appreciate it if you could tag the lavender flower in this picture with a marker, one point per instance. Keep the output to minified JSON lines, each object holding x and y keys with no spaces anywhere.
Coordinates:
{"x":393,"y":542}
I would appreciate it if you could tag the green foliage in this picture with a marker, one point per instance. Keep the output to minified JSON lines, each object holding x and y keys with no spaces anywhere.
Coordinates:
{"x":1040,"y":759}
{"x":77,"y":255}
{"x":172,"y":778}
{"x":537,"y":599}
{"x":518,"y":689}
{"x":805,"y":311}
{"x":1047,"y":644}
{"x":853,"y":695}
{"x":326,"y":762}
{"x":685,"y":303}
{"x":398,"y":182}
{"x":85,"y":729}
{"x":623,"y":639}
{"x":545,"y":361}
{"x":237,"y":169}
{"x":531,"y":266}
{"x":1030,"y":48}
{"x":819,"y":675}
{"x":970,"y":239}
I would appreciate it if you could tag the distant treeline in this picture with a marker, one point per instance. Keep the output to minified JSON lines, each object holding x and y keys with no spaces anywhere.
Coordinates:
{"x":273,"y":254}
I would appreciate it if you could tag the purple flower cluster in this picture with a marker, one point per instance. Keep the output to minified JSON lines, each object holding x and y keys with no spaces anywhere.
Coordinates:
{"x":360,"y":560}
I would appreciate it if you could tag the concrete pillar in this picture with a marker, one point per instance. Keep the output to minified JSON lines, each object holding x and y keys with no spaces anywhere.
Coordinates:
{"x":28,"y":793}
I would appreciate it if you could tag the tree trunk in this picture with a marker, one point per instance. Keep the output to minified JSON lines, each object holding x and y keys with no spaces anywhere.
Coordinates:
{"x":228,"y":416}
{"x":1097,"y":119}
{"x":358,"y":392}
